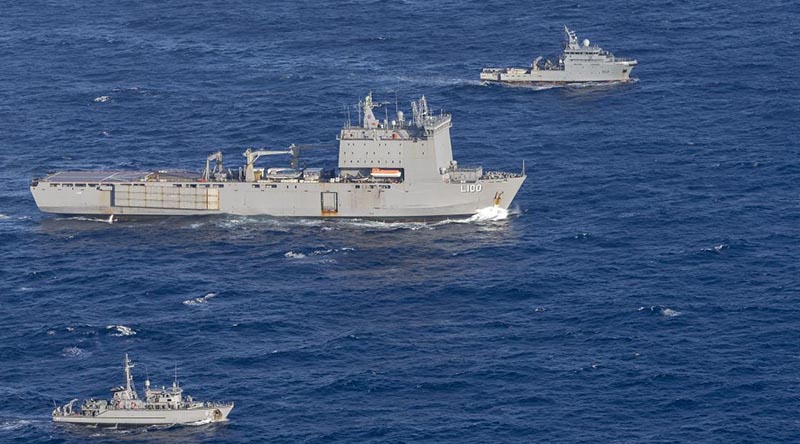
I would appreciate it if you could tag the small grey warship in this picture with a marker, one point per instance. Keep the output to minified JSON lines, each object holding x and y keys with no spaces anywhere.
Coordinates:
{"x":164,"y":406}
{"x":579,"y":63}
{"x":387,"y":169}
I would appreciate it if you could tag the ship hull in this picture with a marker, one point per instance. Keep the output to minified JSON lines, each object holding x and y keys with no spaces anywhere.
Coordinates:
{"x":283,"y":199}
{"x":146,"y":417}
{"x":619,"y":72}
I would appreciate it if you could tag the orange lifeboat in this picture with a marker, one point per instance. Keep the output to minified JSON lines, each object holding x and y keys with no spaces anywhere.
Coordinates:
{"x":383,"y":173}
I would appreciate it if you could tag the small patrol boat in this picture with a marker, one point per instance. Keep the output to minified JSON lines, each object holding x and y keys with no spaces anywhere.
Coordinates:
{"x":579,"y":63}
{"x":164,"y":406}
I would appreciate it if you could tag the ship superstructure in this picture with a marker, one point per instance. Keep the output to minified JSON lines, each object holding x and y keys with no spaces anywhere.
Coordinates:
{"x":579,"y":62}
{"x":159,"y":407}
{"x":387,"y":169}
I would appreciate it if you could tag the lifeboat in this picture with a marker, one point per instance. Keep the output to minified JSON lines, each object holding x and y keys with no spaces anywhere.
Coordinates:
{"x":283,"y":173}
{"x":383,"y":173}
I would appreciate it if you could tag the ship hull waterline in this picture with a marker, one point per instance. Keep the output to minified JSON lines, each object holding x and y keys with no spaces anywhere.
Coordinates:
{"x":149,"y":417}
{"x":290,"y":200}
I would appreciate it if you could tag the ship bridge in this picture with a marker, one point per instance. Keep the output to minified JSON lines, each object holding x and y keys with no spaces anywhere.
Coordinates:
{"x":418,"y":149}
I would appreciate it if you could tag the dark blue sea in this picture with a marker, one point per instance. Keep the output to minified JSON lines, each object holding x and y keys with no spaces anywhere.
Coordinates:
{"x":645,"y":287}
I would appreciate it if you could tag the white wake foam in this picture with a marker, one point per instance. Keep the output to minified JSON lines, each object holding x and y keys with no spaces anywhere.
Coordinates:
{"x":201,"y":300}
{"x":88,"y":219}
{"x":121,"y":330}
{"x":489,"y":214}
{"x":8,"y":426}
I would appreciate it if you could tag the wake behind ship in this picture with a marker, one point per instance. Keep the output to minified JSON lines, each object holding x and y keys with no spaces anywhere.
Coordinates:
{"x":387,"y":169}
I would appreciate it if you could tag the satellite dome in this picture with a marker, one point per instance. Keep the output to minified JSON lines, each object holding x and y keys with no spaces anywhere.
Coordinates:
{"x":586,"y":43}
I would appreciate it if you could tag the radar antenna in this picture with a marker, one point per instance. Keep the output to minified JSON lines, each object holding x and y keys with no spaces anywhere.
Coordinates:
{"x":420,"y":111}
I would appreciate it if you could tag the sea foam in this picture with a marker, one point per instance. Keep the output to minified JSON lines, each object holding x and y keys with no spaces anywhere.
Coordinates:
{"x":121,"y":330}
{"x":201,"y":300}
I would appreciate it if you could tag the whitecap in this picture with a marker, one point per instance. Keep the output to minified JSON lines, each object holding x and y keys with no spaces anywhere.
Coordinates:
{"x":74,"y":352}
{"x":201,"y":300}
{"x":294,"y":255}
{"x":102,"y":99}
{"x":121,"y":330}
{"x":670,"y":313}
{"x":3,"y":216}
{"x":331,"y":251}
{"x":716,"y":248}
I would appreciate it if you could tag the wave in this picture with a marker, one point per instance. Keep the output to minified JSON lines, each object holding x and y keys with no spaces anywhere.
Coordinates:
{"x":668,"y":312}
{"x":75,"y":352}
{"x":201,"y":300}
{"x":121,"y":330}
{"x":291,"y":254}
{"x":716,"y":248}
{"x":663,"y":311}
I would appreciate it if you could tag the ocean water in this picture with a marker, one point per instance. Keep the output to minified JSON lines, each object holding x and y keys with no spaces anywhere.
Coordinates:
{"x":644,"y":287}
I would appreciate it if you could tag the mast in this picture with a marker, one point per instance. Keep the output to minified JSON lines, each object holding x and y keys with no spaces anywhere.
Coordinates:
{"x":129,"y":386}
{"x":369,"y":118}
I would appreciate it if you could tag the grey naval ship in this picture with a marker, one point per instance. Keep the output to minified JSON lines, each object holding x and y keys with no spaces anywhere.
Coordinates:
{"x":387,"y":169}
{"x":164,"y":406}
{"x":580,"y":62}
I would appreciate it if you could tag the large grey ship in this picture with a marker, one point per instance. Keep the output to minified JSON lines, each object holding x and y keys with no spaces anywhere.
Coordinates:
{"x":387,"y":169}
{"x":164,"y":406}
{"x":580,"y":62}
